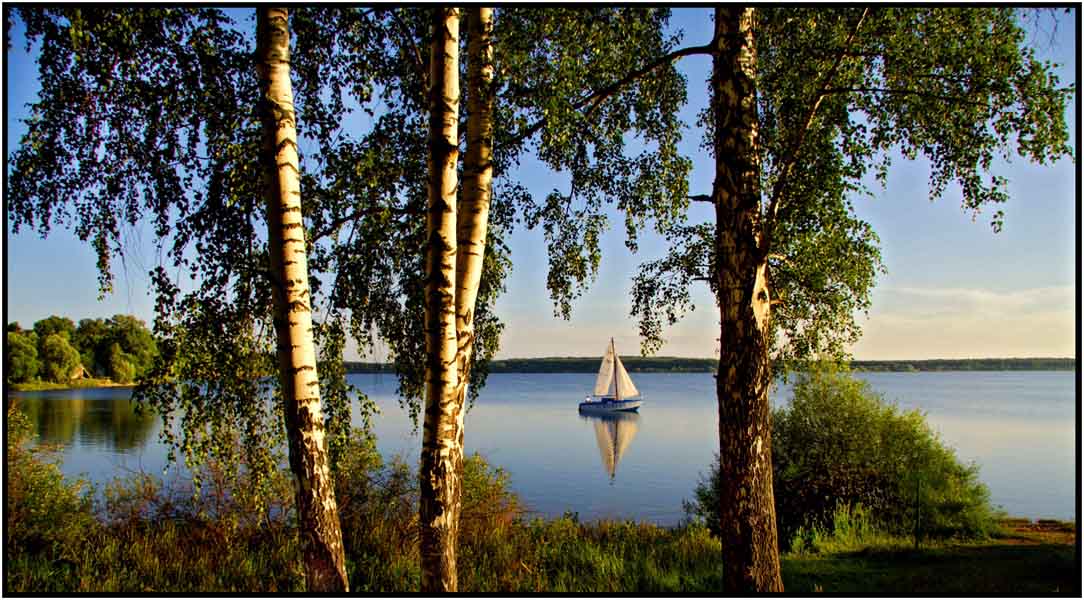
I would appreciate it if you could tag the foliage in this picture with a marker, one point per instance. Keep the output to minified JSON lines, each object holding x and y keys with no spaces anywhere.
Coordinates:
{"x":852,"y":528}
{"x":838,"y":443}
{"x":121,"y":348}
{"x":54,"y":324}
{"x":580,"y":57}
{"x":839,"y":93}
{"x":21,"y":352}
{"x":44,"y":515}
{"x":120,"y":365}
{"x":58,"y":357}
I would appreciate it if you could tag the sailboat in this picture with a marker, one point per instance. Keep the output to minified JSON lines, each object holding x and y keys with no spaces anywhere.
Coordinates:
{"x":613,"y":433}
{"x":613,"y":388}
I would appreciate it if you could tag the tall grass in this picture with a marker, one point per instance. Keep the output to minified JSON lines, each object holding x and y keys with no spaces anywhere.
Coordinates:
{"x":144,"y":535}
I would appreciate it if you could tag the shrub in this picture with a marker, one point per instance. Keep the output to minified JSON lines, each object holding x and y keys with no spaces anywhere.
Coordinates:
{"x":45,"y":516}
{"x":22,"y":356}
{"x":838,"y":443}
{"x":58,"y":357}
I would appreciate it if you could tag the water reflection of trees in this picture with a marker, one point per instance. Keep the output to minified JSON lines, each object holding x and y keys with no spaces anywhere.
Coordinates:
{"x":109,"y":422}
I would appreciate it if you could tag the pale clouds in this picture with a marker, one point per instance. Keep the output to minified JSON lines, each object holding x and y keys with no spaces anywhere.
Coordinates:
{"x":913,"y":322}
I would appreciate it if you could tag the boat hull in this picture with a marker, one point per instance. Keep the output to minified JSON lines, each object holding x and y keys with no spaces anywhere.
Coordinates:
{"x":606,"y":405}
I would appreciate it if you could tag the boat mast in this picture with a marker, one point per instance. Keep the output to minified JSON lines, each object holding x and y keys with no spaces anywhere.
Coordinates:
{"x":617,"y":386}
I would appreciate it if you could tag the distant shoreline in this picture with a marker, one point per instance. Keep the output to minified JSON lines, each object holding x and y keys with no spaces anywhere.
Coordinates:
{"x":654,"y":364}
{"x":665,"y":364}
{"x":78,"y":384}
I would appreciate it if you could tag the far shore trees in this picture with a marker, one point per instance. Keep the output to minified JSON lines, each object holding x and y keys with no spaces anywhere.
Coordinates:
{"x":120,"y":348}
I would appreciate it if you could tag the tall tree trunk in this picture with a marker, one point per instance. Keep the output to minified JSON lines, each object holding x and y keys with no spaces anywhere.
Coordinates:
{"x":318,"y":515}
{"x":473,"y":212}
{"x":747,"y":507}
{"x":442,"y":431}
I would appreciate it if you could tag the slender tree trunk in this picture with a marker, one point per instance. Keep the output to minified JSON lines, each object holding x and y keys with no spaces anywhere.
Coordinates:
{"x":442,"y":431}
{"x":318,"y":515}
{"x":747,"y":507}
{"x":473,"y":213}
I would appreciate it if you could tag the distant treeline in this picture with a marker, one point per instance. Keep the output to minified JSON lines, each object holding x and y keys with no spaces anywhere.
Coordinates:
{"x":669,"y":364}
{"x":968,"y":364}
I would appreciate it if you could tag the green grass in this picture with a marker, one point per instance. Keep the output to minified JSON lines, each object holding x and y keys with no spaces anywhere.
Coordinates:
{"x":994,"y":566}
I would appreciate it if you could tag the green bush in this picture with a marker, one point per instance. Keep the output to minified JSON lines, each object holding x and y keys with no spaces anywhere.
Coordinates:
{"x":22,"y":356}
{"x":58,"y":357}
{"x":46,"y":518}
{"x":838,"y":443}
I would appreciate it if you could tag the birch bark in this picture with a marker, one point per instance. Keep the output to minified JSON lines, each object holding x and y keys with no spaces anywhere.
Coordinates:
{"x":747,"y":506}
{"x":318,"y":517}
{"x":473,"y":212}
{"x":442,"y":431}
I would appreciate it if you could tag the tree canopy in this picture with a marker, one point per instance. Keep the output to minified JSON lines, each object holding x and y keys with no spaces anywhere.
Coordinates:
{"x":840,"y":93}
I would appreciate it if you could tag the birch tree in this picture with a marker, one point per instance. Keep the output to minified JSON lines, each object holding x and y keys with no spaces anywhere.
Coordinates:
{"x":145,"y":119}
{"x":321,"y":537}
{"x":804,"y":104}
{"x":442,"y":431}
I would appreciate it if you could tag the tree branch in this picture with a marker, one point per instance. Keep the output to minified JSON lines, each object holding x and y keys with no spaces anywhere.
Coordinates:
{"x":404,"y":32}
{"x":906,"y":92}
{"x":791,"y":155}
{"x":595,"y":99}
{"x":335,"y":224}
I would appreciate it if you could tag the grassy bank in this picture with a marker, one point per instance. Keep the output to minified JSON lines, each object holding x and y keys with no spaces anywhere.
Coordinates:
{"x":140,"y":535}
{"x":89,"y":382}
{"x":1024,"y":559}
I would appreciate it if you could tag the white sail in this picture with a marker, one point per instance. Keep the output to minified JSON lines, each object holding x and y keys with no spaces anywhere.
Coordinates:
{"x":605,"y":373}
{"x":625,"y":387}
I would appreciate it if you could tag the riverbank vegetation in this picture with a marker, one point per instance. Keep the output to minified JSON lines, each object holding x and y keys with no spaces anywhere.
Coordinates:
{"x":57,"y":354}
{"x":842,"y":455}
{"x":143,"y":534}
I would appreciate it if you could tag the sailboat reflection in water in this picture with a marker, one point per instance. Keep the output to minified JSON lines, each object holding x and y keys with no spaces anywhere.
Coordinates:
{"x":613,"y":433}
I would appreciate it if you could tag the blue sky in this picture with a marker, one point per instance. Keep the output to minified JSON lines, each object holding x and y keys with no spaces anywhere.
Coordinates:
{"x":954,"y":289}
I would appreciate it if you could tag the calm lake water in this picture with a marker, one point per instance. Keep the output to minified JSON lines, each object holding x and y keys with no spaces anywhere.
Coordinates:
{"x":1020,"y":427}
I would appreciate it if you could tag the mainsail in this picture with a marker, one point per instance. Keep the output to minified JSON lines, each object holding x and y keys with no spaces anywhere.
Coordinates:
{"x":605,"y":373}
{"x":612,"y":379}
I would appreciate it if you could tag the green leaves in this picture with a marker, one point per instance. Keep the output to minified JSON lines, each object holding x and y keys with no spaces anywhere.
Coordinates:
{"x":840,"y":92}
{"x":556,"y":72}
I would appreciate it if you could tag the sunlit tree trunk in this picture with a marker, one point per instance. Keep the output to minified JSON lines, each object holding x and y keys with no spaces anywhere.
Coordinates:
{"x":318,"y":518}
{"x":747,"y":507}
{"x":473,"y":213}
{"x":442,"y":431}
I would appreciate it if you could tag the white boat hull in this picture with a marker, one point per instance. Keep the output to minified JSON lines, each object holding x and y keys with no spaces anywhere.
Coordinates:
{"x":605,"y":405}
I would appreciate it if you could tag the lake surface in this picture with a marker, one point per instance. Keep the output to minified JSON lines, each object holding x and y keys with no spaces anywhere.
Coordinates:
{"x":1019,"y":426}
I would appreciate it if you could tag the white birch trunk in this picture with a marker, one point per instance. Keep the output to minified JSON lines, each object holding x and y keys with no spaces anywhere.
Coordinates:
{"x":318,"y":517}
{"x":442,"y":432}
